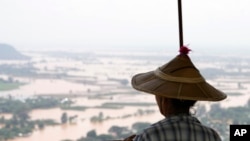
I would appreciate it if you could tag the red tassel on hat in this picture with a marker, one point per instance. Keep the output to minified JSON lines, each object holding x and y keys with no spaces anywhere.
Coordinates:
{"x":184,"y":50}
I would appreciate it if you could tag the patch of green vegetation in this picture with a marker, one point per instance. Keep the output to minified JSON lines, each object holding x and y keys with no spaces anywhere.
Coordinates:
{"x":20,"y":124}
{"x":118,"y":105}
{"x":9,"y":86}
{"x":234,"y":93}
{"x":115,"y":132}
{"x":217,"y":118}
{"x":127,"y":104}
{"x":107,"y":106}
{"x":77,"y":108}
{"x":10,"y":105}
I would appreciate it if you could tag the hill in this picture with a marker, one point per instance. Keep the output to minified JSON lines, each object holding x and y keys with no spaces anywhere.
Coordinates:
{"x":8,"y":52}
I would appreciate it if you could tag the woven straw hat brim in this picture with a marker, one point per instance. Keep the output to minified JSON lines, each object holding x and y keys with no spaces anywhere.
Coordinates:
{"x":150,"y":83}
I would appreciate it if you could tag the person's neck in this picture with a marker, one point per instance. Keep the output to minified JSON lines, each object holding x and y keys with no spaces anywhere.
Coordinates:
{"x":176,"y":114}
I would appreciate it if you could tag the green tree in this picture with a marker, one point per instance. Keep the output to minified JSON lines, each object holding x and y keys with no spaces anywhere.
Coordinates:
{"x":40,"y":124}
{"x":64,"y":118}
{"x":201,"y":111}
{"x":10,"y":79}
{"x":101,"y":115}
{"x":248,"y":103}
{"x":23,"y":116}
{"x":124,"y":82}
{"x":138,"y":126}
{"x":119,"y":131}
{"x":91,"y":134}
{"x":2,"y":120}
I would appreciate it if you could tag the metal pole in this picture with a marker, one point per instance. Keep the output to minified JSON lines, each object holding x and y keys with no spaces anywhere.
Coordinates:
{"x":180,"y":23}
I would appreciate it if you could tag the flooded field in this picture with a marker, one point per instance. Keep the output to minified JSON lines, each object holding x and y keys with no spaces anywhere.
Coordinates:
{"x":83,"y":124}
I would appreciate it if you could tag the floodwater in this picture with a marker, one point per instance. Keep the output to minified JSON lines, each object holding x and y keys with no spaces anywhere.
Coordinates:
{"x":83,"y":124}
{"x":49,"y":86}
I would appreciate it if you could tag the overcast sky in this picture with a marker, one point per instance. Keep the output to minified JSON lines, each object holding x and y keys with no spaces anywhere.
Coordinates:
{"x":82,"y":24}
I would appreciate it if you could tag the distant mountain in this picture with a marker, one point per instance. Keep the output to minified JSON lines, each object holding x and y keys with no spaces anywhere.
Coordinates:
{"x":8,"y":52}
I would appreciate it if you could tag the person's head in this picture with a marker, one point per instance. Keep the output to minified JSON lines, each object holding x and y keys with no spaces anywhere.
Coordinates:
{"x":177,"y":85}
{"x":170,"y":106}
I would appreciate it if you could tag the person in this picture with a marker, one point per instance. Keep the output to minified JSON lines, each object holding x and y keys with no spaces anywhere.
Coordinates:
{"x":177,"y":86}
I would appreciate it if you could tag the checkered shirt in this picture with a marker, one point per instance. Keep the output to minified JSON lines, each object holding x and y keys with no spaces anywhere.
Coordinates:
{"x":178,"y":128}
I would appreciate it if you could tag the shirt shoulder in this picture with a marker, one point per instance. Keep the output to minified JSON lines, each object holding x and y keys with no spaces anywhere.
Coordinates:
{"x":178,"y":128}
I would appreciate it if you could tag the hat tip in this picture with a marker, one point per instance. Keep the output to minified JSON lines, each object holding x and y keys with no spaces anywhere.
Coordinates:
{"x":184,"y":50}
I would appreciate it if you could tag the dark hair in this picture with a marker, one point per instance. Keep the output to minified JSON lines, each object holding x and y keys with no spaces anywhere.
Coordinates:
{"x":182,"y":106}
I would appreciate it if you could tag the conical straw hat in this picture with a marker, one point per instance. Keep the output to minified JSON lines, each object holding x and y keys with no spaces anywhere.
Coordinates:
{"x":178,"y":79}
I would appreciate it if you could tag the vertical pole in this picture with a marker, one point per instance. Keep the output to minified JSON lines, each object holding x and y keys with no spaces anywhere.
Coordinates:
{"x":180,"y":23}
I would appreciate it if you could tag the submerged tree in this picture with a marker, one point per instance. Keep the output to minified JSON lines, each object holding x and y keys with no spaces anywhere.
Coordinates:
{"x":64,"y":118}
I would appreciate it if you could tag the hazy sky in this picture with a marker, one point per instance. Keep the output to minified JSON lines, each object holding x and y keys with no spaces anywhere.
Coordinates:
{"x":83,"y":24}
